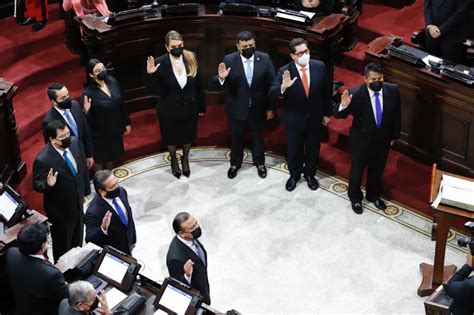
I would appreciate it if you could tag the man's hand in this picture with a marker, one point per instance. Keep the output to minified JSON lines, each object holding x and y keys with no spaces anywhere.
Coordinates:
{"x":89,"y":162}
{"x":150,"y":65}
{"x":286,"y":81}
{"x":128,"y":128}
{"x":346,"y":99}
{"x":222,"y":72}
{"x":326,"y":120}
{"x":188,"y":268}
{"x":104,"y":306}
{"x":106,"y":221}
{"x":52,"y":178}
{"x":201,"y":114}
{"x":434,"y":31}
{"x":87,"y":103}
{"x":270,"y":114}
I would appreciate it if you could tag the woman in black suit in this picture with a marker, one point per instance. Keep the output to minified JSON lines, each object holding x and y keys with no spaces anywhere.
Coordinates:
{"x":106,"y":113}
{"x":175,"y":77}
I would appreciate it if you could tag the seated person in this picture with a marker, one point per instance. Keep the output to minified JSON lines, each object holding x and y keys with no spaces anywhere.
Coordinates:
{"x":81,"y":7}
{"x":83,"y":300}
{"x":37,"y":285}
{"x":461,"y":289}
{"x":322,"y":7}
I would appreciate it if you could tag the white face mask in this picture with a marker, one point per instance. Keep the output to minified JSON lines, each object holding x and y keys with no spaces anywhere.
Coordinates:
{"x":303,"y":60}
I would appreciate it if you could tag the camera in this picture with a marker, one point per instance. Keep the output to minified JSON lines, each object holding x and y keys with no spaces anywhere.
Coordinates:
{"x":468,"y":241}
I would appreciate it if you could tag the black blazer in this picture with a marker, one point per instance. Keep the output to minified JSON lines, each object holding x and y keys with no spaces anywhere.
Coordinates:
{"x":364,"y":123}
{"x":118,"y":235}
{"x":178,"y":254}
{"x":238,"y":91}
{"x":176,"y":102}
{"x":38,"y":286}
{"x":461,"y":288}
{"x":64,"y":201}
{"x":297,"y":108}
{"x":448,"y":15}
{"x":81,"y":122}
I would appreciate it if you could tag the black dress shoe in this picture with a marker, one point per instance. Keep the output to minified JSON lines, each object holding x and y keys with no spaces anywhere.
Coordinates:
{"x":176,"y":174}
{"x":28,"y":21}
{"x":187,"y":173}
{"x":37,"y":26}
{"x":312,"y":182}
{"x":232,"y":172}
{"x":379,"y":204}
{"x":357,"y":207}
{"x":291,"y":183}
{"x":262,"y":171}
{"x":185,"y":166}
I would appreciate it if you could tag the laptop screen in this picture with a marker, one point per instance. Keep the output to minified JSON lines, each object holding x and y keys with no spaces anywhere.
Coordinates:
{"x":113,"y":268}
{"x":175,"y":299}
{"x":8,"y":205}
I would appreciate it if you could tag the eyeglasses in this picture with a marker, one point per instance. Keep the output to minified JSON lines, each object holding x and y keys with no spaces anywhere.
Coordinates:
{"x":301,"y":53}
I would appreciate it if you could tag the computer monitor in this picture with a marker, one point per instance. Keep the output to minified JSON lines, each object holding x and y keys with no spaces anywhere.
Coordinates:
{"x":12,"y":206}
{"x":176,"y":298}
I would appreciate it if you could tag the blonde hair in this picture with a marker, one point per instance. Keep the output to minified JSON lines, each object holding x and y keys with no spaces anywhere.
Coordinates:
{"x":189,"y":56}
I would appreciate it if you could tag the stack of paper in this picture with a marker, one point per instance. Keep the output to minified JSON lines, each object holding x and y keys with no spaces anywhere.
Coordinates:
{"x":456,"y":192}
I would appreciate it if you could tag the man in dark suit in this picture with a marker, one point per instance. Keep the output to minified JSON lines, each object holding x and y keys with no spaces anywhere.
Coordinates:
{"x":60,"y":173}
{"x":306,"y":90}
{"x":461,"y":289}
{"x":446,"y":27}
{"x":375,"y":106}
{"x":247,"y":102}
{"x":37,"y":285}
{"x":187,"y":259}
{"x":68,"y":110}
{"x":109,"y":219}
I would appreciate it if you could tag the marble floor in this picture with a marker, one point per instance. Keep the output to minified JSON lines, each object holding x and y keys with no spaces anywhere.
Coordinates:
{"x":271,"y":251}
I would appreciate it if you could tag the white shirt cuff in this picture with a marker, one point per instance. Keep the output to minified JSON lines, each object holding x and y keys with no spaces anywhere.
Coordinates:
{"x":341,"y":108}
{"x":187,"y":278}
{"x":221,"y":81}
{"x":281,"y":90}
{"x":104,"y":231}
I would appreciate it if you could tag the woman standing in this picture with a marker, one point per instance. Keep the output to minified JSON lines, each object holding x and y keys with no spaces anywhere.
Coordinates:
{"x":106,"y":113}
{"x":175,"y":77}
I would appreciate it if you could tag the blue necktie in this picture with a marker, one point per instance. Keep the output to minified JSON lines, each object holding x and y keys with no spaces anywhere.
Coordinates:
{"x":248,"y":71}
{"x":378,"y":110}
{"x":71,"y":122}
{"x":120,"y":212}
{"x":69,"y":163}
{"x":199,"y":251}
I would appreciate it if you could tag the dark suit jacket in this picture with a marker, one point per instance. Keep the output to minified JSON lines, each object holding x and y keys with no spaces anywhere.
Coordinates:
{"x":448,"y":15}
{"x":363,"y":124}
{"x":178,"y":254}
{"x":81,"y":122}
{"x":37,"y":285}
{"x":461,"y":288}
{"x":174,"y":101}
{"x":64,"y":201}
{"x":238,"y":91}
{"x":297,"y":108}
{"x":118,"y":235}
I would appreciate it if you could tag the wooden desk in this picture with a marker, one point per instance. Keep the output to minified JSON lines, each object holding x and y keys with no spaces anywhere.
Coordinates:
{"x":438,"y":303}
{"x":437,"y":112}
{"x":435,"y":275}
{"x":125,"y":46}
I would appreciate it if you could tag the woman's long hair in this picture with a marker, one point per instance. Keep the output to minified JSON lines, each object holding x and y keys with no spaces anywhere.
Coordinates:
{"x":189,"y":56}
{"x":89,"y":70}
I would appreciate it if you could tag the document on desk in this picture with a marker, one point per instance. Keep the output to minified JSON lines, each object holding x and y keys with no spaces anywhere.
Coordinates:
{"x":456,"y":192}
{"x":308,"y":14}
{"x":429,"y":58}
{"x":114,"y":297}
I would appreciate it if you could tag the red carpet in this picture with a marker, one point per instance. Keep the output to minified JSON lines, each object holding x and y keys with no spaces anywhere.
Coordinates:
{"x":33,"y":60}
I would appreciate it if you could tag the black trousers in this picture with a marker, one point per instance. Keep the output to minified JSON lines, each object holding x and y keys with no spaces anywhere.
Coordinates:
{"x":373,"y":155}
{"x":66,"y":235}
{"x":303,"y":151}
{"x":446,"y":47}
{"x":237,"y":130}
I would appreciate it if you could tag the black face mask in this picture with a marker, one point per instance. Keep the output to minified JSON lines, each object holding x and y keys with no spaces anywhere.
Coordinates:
{"x":248,"y":52}
{"x":177,"y":52}
{"x":66,"y":142}
{"x":94,"y":305}
{"x":103,"y":76}
{"x":113,"y":193}
{"x":66,"y":104}
{"x":376,"y":86}
{"x":197,"y":233}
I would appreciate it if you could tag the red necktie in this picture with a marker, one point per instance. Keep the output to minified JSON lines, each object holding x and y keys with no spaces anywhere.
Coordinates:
{"x":304,"y":79}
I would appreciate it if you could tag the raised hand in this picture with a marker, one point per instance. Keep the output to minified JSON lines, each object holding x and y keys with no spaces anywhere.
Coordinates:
{"x":150,"y":65}
{"x":106,"y":221}
{"x":52,"y":178}
{"x":188,"y":268}
{"x":346,"y":99}
{"x":222,"y":71}
{"x":87,"y":104}
{"x":287,"y":81}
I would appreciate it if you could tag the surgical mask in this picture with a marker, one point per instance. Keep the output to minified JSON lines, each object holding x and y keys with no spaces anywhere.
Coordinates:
{"x":66,"y":142}
{"x":197,"y":233}
{"x":376,"y":86}
{"x":303,"y":60}
{"x":66,"y":104}
{"x":113,"y":193}
{"x":177,"y":52}
{"x":103,"y":76}
{"x":94,"y":305}
{"x":248,"y":52}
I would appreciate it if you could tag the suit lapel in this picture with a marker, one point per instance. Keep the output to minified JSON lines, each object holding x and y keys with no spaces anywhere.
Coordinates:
{"x":256,"y":68}
{"x":368,"y":103}
{"x":190,"y":252}
{"x":295,"y":73}
{"x":240,"y":65}
{"x":313,"y":79}
{"x":105,"y":204}
{"x":386,"y":96}
{"x":57,"y":159}
{"x":167,"y":63}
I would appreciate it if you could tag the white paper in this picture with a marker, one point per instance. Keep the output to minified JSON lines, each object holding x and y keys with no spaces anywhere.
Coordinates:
{"x":160,"y":312}
{"x":455,"y":189}
{"x":308,"y":14}
{"x":290,"y":17}
{"x":8,"y":205}
{"x":114,"y":297}
{"x":427,"y":59}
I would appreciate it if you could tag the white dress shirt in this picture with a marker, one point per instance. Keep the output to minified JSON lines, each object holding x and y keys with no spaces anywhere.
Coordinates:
{"x":372,"y":101}
{"x":244,"y":63}
{"x":300,"y":73}
{"x":69,"y":155}
{"x":190,"y":245}
{"x":177,"y":64}
{"x":111,"y":203}
{"x":63,"y":113}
